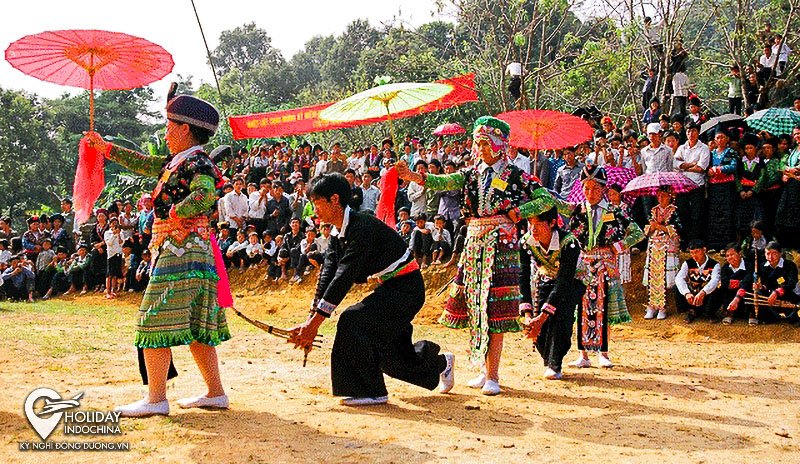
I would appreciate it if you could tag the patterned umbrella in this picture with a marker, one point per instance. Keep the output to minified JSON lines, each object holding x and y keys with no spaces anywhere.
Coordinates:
{"x":615,"y":175}
{"x":545,"y":130}
{"x":449,"y":129}
{"x":648,"y":184}
{"x":776,"y":121}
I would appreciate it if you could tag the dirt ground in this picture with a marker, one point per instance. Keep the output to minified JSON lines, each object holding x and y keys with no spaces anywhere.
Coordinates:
{"x":679,"y":393}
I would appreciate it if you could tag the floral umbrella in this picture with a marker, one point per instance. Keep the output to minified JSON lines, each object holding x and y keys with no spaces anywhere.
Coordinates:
{"x":449,"y":129}
{"x":90,"y":59}
{"x":615,"y":176}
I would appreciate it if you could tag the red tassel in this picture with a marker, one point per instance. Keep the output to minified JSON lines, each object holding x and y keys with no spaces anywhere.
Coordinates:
{"x":385,"y":209}
{"x":89,"y":180}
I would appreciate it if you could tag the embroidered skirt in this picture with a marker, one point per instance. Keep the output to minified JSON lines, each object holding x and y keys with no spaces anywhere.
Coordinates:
{"x":180,"y":306}
{"x":663,"y":262}
{"x":598,"y":269}
{"x":485,"y":294}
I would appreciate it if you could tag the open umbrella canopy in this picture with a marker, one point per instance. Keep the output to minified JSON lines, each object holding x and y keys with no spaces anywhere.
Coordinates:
{"x":723,"y":120}
{"x":648,"y":184}
{"x":90,"y":59}
{"x":545,"y":129}
{"x":385,"y":100}
{"x":776,"y":121}
{"x":449,"y":129}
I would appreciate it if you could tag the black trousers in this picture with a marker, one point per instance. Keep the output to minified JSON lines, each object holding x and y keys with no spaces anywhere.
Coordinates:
{"x":735,"y":105}
{"x":555,"y":339}
{"x":690,"y":211}
{"x":515,"y":87}
{"x":711,"y":303}
{"x":374,"y":337}
{"x":422,"y":243}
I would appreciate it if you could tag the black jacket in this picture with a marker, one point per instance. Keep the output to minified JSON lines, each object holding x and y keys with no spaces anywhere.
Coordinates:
{"x":368,"y":247}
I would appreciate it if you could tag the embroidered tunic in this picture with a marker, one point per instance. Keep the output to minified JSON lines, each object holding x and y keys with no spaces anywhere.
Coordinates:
{"x":663,"y":255}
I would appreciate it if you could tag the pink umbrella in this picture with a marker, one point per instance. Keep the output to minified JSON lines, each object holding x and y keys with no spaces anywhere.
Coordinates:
{"x":615,"y":175}
{"x":449,"y":129}
{"x":648,"y":184}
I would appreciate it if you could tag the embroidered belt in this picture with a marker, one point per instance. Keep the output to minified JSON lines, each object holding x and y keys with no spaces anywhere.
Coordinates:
{"x":479,"y":227}
{"x":748,"y":182}
{"x":722,"y":179}
{"x":177,"y":229}
{"x":402,"y":270}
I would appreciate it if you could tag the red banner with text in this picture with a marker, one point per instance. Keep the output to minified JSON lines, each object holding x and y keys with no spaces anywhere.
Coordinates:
{"x":306,"y":120}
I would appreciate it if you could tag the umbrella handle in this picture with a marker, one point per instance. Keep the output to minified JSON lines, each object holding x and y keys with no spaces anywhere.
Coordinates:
{"x":91,"y":101}
{"x":391,"y":126}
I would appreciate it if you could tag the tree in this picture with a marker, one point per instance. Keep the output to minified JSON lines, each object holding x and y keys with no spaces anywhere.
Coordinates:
{"x":244,"y":48}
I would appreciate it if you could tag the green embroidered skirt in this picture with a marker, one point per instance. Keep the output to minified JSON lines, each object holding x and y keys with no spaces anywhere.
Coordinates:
{"x":180,"y":304}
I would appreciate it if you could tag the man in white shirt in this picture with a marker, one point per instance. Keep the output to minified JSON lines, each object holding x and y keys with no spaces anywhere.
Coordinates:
{"x":696,"y":284}
{"x":680,"y":91}
{"x":514,"y":69}
{"x":519,"y":160}
{"x":766,"y":62}
{"x":236,"y":205}
{"x":416,"y":192}
{"x":691,"y":160}
{"x":782,"y":51}
{"x":371,"y":194}
{"x":257,"y":206}
{"x":656,"y":157}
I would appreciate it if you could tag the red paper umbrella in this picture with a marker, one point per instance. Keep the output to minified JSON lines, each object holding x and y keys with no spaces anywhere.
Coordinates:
{"x":90,"y":59}
{"x":545,"y":130}
{"x":449,"y":129}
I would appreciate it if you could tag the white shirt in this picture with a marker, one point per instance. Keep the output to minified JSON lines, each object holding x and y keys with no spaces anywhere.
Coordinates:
{"x":522,"y":162}
{"x":322,"y":243}
{"x":128,"y":220}
{"x":235,"y":206}
{"x":496,"y":169}
{"x":699,"y":154}
{"x":768,"y":62}
{"x":255,"y":208}
{"x":5,"y":256}
{"x":253,"y":249}
{"x":656,"y":159}
{"x":441,"y":235}
{"x":783,"y":55}
{"x":320,"y":167}
{"x":270,"y":248}
{"x":416,"y":195}
{"x":237,"y":245}
{"x":113,"y":243}
{"x":515,"y":69}
{"x":683,"y":287}
{"x":680,"y":84}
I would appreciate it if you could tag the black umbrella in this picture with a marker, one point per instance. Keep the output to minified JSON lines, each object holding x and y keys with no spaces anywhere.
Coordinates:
{"x":726,"y":121}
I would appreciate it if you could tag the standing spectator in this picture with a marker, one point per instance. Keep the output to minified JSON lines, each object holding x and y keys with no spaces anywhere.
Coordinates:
{"x":734,"y":80}
{"x":236,"y":206}
{"x":539,"y":166}
{"x":519,"y":159}
{"x":146,"y":217}
{"x":782,"y":51}
{"x":257,"y":206}
{"x":648,"y":89}
{"x":680,"y":91}
{"x":336,"y":164}
{"x":514,"y":70}
{"x":371,"y":194}
{"x":113,"y":240}
{"x":772,"y":186}
{"x":5,"y":229}
{"x":45,"y":269}
{"x":663,"y":249}
{"x":357,"y":195}
{"x":99,"y":261}
{"x":695,"y":114}
{"x":653,"y":112}
{"x":69,"y":220}
{"x":416,"y":192}
{"x":449,"y":206}
{"x":432,"y":197}
{"x":568,"y":173}
{"x":721,"y":202}
{"x":787,"y":217}
{"x":127,"y":221}
{"x":298,"y":200}
{"x":279,"y":210}
{"x":691,"y":160}
{"x":31,"y":239}
{"x":656,"y":157}
{"x":61,"y":237}
{"x":750,"y":172}
{"x":696,"y":284}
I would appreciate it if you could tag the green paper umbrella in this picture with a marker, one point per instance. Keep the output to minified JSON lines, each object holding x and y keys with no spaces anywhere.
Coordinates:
{"x":776,"y":121}
{"x":384,"y":101}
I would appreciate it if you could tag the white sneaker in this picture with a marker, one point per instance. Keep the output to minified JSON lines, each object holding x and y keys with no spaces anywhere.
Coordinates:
{"x":491,"y":388}
{"x":650,"y":313}
{"x":581,"y":363}
{"x":477,"y":382}
{"x":448,"y":378}
{"x":662,"y":314}
{"x":604,"y":362}
{"x":218,"y":402}
{"x":143,"y":408}
{"x":351,"y":401}
{"x":550,"y":374}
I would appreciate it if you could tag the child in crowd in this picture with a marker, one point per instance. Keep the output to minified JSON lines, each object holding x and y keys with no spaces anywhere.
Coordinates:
{"x":442,"y":244}
{"x":755,"y":243}
{"x":59,"y":281}
{"x":5,"y":254}
{"x":254,"y":251}
{"x":128,"y":264}
{"x":237,"y":252}
{"x":274,"y":269}
{"x":113,"y":241}
{"x":79,"y":270}
{"x":270,"y":250}
{"x":403,"y":215}
{"x":421,"y":240}
{"x":143,"y":272}
{"x":614,"y":194}
{"x":44,"y":266}
{"x":663,"y":249}
{"x":19,"y":280}
{"x":406,"y":228}
{"x":309,"y":255}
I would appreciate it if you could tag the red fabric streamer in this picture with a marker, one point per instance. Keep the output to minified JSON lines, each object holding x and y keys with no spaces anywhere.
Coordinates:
{"x":385,"y":209}
{"x":89,"y":182}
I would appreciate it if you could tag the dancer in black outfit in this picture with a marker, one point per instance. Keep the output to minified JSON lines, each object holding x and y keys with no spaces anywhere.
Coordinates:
{"x":373,"y":337}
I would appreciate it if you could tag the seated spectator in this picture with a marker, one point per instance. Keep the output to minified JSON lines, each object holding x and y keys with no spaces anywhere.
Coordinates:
{"x":406,"y":228}
{"x":309,"y":255}
{"x":403,"y":215}
{"x":274,"y":266}
{"x":5,"y":254}
{"x":60,"y":236}
{"x":441,"y":243}
{"x":736,"y":278}
{"x":44,"y":266}
{"x":458,"y":246}
{"x":324,"y":239}
{"x":755,"y":243}
{"x":59,"y":283}
{"x":18,"y":279}
{"x":777,"y":280}
{"x":254,"y":250}
{"x":237,"y":251}
{"x":421,"y":240}
{"x":142,"y":277}
{"x":79,"y":270}
{"x":696,"y":284}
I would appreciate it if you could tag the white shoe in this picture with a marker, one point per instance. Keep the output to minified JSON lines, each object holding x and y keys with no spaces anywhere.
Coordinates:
{"x":491,"y":388}
{"x":581,"y":363}
{"x":604,"y":362}
{"x":218,"y":402}
{"x":143,"y":408}
{"x":448,"y":378}
{"x":477,"y":382}
{"x":650,"y":313}
{"x":351,"y":401}
{"x":662,"y":314}
{"x":550,"y":374}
